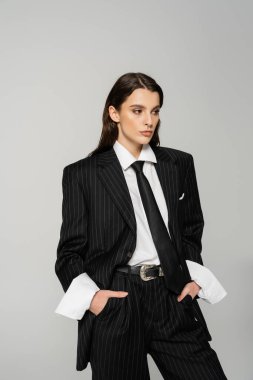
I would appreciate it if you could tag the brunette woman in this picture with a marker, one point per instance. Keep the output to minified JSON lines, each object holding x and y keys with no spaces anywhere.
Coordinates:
{"x":129,"y":255}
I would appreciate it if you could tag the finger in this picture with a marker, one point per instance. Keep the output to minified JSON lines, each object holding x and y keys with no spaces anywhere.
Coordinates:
{"x":184,"y":292}
{"x":118,"y":294}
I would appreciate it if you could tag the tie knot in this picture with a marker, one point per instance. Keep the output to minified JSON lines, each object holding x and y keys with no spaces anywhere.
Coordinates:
{"x":138,"y":165}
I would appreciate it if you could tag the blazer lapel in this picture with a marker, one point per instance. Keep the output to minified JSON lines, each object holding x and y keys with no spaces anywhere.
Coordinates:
{"x":111,"y":175}
{"x":167,"y":171}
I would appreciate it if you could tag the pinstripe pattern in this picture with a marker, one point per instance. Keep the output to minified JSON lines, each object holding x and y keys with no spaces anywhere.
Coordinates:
{"x":98,"y":229}
{"x":150,"y":320}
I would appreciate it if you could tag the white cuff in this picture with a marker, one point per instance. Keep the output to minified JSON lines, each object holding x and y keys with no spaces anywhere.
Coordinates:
{"x":211,"y":289}
{"x":78,"y":297}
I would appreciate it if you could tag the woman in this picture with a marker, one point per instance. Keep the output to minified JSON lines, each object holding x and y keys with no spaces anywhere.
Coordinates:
{"x":129,"y":254}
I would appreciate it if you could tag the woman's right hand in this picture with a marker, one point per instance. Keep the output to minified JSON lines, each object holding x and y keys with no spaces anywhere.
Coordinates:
{"x":101,"y":297}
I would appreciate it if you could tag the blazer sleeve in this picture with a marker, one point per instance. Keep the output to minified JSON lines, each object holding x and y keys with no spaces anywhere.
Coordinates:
{"x":192,"y":217}
{"x":73,"y":240}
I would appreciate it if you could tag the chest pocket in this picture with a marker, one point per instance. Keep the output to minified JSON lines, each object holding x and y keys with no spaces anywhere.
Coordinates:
{"x":181,"y":207}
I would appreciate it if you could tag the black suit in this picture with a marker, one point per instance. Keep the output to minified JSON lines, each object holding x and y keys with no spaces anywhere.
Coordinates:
{"x":98,"y":231}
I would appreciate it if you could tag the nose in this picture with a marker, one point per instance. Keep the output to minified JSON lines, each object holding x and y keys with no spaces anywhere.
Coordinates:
{"x":148,"y":120}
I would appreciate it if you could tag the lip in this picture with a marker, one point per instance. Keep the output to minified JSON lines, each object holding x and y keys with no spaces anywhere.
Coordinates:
{"x":146,"y":133}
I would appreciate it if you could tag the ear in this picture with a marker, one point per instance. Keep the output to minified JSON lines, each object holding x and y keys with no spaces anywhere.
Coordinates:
{"x":113,"y":114}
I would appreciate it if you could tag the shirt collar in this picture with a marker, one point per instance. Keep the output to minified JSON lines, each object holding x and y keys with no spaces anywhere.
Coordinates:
{"x":126,"y":158}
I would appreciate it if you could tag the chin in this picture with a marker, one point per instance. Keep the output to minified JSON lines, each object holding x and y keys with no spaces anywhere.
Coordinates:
{"x":142,"y":137}
{"x":144,"y":140}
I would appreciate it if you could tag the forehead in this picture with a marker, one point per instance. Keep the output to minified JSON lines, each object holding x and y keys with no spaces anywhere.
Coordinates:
{"x":144,"y":97}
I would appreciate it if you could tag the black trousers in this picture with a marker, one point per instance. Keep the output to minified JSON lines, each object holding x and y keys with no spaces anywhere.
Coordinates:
{"x":150,"y":320}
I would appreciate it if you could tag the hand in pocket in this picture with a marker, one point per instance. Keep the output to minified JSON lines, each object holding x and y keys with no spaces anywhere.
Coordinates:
{"x":189,"y":292}
{"x":101,"y":297}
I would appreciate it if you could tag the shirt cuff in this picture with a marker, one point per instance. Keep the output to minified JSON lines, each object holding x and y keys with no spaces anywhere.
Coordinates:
{"x":211,"y":289}
{"x":78,"y":297}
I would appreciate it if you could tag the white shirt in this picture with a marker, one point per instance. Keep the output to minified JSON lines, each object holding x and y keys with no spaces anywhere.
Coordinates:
{"x":78,"y":297}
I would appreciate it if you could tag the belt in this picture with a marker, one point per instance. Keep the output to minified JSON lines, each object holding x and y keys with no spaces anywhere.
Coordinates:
{"x":145,"y":271}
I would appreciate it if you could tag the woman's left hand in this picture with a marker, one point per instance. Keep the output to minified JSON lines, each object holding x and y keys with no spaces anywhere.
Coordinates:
{"x":191,"y":288}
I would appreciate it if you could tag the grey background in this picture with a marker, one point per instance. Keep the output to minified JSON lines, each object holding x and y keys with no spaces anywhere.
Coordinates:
{"x":59,"y":59}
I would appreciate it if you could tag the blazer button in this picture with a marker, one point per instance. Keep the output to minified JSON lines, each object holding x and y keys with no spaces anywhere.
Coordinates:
{"x":129,"y":254}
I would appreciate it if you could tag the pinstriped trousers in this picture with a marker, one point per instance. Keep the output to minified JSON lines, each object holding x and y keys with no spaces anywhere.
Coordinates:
{"x":150,"y":320}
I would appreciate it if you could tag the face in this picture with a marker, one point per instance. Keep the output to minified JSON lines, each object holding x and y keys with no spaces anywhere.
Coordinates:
{"x":139,"y":113}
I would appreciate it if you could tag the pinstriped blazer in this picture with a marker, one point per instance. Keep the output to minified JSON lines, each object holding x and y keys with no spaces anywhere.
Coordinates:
{"x":98,"y":230}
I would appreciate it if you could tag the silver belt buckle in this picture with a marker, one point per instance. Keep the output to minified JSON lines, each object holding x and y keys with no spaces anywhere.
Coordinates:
{"x":143,"y":272}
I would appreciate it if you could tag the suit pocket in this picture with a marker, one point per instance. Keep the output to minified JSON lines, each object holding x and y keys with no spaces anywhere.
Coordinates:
{"x":181,"y":196}
{"x":181,"y":199}
{"x":187,"y":301}
{"x":180,"y":210}
{"x":105,"y":309}
{"x":112,"y":305}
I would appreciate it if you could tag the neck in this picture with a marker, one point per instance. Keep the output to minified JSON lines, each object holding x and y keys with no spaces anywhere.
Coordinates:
{"x":134,"y":149}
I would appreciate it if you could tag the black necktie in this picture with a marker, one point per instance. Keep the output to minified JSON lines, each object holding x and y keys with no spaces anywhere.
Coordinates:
{"x":173,"y":274}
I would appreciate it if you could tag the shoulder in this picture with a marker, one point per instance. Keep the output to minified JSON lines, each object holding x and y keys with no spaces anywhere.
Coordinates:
{"x":177,"y":155}
{"x":176,"y":152}
{"x":78,"y":169}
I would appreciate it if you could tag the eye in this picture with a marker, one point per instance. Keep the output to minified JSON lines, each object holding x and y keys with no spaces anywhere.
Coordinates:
{"x":138,"y":111}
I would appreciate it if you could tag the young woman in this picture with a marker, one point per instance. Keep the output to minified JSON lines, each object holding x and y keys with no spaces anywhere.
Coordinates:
{"x":129,"y":254}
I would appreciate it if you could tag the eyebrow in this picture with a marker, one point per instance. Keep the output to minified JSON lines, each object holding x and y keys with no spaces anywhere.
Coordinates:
{"x":141,"y":106}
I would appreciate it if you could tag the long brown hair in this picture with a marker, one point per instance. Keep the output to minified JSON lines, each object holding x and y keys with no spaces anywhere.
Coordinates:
{"x":123,"y":88}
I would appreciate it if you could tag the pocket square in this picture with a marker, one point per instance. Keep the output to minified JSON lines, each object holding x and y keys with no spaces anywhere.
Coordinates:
{"x":182,"y":196}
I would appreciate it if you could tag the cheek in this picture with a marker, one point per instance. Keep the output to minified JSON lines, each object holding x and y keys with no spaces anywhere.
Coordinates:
{"x":131,"y":123}
{"x":156,"y":120}
{"x":132,"y":119}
